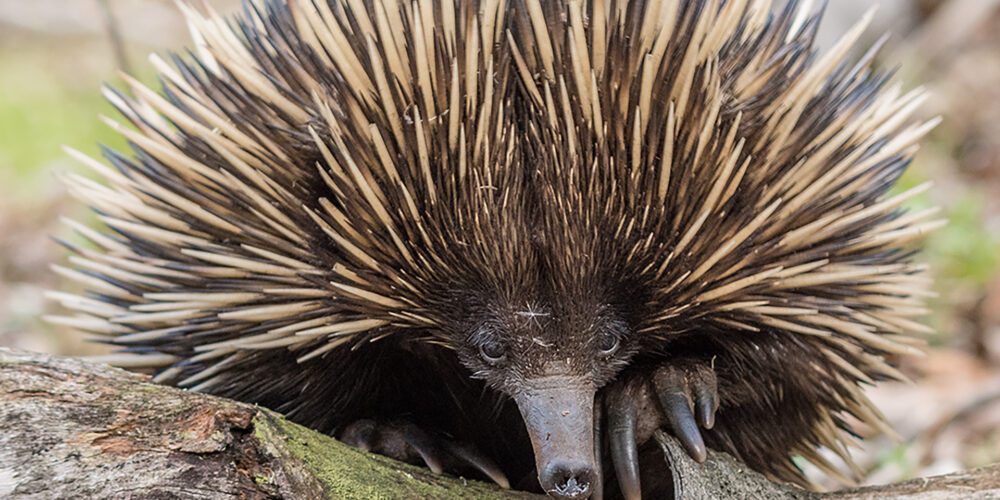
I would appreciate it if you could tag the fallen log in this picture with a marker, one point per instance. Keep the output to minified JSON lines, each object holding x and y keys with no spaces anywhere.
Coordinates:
{"x":73,"y":429}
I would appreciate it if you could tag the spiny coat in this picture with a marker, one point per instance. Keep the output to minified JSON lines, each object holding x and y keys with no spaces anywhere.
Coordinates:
{"x":328,"y":200}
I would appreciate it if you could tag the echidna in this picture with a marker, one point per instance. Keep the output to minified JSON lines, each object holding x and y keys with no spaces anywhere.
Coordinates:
{"x":469,"y":233}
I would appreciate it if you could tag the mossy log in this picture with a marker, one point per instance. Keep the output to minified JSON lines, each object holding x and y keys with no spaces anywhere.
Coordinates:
{"x":73,"y":429}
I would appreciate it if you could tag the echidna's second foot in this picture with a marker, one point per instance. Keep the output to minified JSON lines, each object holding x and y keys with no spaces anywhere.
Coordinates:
{"x":680,"y":396}
{"x":408,"y":442}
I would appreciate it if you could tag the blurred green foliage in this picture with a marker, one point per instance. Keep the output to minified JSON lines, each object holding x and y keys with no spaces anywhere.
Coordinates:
{"x":40,"y":113}
{"x":962,"y":249}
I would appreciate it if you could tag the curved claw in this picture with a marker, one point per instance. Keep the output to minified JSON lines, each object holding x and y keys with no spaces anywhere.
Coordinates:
{"x":423,"y":444}
{"x":707,"y":403}
{"x":481,"y":462}
{"x":622,"y":420}
{"x":684,"y":394}
{"x":408,"y":442}
{"x":678,"y":410}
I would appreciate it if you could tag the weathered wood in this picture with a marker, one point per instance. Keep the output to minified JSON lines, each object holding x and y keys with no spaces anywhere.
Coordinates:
{"x":722,"y":476}
{"x":72,"y":429}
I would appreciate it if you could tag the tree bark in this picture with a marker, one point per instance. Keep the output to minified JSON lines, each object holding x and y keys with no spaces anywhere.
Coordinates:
{"x":72,"y":429}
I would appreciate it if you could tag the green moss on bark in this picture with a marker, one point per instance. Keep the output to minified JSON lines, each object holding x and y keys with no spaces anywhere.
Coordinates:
{"x":348,"y":473}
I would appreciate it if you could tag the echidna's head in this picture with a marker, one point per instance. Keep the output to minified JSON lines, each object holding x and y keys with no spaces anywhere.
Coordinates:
{"x":550,"y":351}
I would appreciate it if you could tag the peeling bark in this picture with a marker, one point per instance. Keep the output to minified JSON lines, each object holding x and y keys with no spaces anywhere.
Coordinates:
{"x":71,"y":429}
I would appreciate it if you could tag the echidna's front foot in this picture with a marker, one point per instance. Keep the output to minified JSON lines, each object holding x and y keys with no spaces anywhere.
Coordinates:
{"x":681,"y":396}
{"x":407,"y":442}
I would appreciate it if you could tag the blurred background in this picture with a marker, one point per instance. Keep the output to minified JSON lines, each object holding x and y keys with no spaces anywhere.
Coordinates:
{"x":55,"y":55}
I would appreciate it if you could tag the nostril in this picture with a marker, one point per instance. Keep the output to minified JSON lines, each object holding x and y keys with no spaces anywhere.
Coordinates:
{"x":567,"y":480}
{"x":573,"y":486}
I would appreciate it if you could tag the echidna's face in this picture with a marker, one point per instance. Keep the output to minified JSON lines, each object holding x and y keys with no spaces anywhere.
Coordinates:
{"x":513,"y":344}
{"x":551,"y":356}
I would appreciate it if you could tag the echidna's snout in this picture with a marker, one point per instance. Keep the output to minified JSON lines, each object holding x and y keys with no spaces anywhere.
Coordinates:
{"x":559,"y":415}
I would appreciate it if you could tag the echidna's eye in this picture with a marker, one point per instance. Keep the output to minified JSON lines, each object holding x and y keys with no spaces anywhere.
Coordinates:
{"x":492,"y":352}
{"x":609,"y":344}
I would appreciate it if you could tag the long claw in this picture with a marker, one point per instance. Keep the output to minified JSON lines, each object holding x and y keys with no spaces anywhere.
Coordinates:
{"x":678,"y":410}
{"x":624,"y":451}
{"x":481,"y":462}
{"x":423,"y":444}
{"x":408,"y":442}
{"x":707,"y":402}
